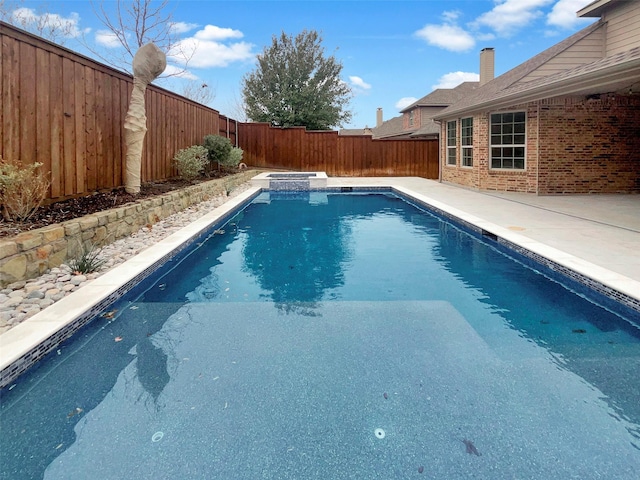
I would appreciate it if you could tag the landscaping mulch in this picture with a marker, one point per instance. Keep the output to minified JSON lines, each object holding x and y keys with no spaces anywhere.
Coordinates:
{"x":71,"y":208}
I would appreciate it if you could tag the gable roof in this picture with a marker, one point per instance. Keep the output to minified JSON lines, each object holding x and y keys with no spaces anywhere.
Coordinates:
{"x":488,"y":95}
{"x":443,"y":97}
{"x":391,"y":128}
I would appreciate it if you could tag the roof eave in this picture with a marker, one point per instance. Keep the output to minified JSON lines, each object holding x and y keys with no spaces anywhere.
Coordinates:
{"x":594,"y":9}
{"x":596,"y":80}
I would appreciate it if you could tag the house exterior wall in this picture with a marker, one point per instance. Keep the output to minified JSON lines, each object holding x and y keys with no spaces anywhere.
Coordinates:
{"x":482,"y":177}
{"x":587,"y":50}
{"x":622,"y":27}
{"x":573,"y":145}
{"x":590,"y":146}
{"x":406,"y":119}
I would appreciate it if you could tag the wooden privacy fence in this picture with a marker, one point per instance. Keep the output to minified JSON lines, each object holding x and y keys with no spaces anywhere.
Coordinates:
{"x":337,"y":155}
{"x":67,"y":111}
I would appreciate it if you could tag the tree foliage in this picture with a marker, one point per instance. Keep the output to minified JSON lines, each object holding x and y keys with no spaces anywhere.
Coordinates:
{"x":295,"y":84}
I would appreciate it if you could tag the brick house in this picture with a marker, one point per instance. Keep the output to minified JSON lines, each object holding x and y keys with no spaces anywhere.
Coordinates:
{"x":565,"y":121}
{"x":415,"y":121}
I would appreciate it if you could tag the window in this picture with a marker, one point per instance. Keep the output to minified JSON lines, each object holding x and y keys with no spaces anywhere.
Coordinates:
{"x":466,"y":141}
{"x":411,"y":118}
{"x":508,"y":140}
{"x":451,"y":142}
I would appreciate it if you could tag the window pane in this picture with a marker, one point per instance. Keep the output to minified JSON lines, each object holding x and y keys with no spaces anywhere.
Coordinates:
{"x":518,"y":139}
{"x":519,"y":152}
{"x":451,"y":156}
{"x":518,"y":128}
{"x":495,"y":163}
{"x":496,"y":129}
{"x":507,"y":140}
{"x":519,"y":116}
{"x":519,"y":163}
{"x":496,"y":118}
{"x":507,"y":163}
{"x":507,"y":117}
{"x":496,"y":140}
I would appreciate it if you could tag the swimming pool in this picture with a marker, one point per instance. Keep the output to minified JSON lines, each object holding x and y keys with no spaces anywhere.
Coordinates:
{"x":335,"y":336}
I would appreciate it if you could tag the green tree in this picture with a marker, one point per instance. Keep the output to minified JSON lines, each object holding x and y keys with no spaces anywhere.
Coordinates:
{"x":295,"y":84}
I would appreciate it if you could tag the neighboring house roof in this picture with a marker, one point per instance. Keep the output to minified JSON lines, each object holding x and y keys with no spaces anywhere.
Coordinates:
{"x":355,"y":131}
{"x":391,"y":128}
{"x":430,"y":129}
{"x":520,"y":85}
{"x":443,"y":97}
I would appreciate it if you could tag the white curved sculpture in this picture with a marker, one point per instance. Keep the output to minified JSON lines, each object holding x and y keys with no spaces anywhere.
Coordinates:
{"x":148,"y":63}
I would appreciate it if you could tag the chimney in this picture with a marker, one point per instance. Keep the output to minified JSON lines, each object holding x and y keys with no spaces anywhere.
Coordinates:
{"x":487,"y":65}
{"x":379,"y":117}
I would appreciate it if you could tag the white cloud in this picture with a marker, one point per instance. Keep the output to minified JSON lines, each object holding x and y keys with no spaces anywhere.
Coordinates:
{"x":359,"y":83}
{"x":182,"y":27}
{"x":178,"y":72}
{"x":453,"y":79}
{"x":207,"y":54}
{"x":107,"y":39}
{"x":508,"y":16}
{"x":207,"y":48}
{"x":211,"y":32}
{"x":404,"y":102}
{"x":68,"y":27}
{"x":563,"y":14}
{"x":448,"y":36}
{"x":451,"y":16}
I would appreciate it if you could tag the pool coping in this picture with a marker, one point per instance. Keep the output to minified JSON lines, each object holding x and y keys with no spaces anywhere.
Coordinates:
{"x":26,"y":343}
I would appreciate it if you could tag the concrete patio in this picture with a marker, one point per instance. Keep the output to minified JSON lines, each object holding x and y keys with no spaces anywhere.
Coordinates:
{"x":599,"y":233}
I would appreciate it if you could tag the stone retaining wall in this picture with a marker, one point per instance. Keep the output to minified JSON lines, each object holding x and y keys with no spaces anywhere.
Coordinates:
{"x":33,"y":253}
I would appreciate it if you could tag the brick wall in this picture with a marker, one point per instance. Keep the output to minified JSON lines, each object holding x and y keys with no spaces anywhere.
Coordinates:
{"x":590,"y":145}
{"x":574,"y":145}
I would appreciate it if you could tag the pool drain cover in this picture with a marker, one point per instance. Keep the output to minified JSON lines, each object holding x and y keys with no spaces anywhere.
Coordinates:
{"x":379,"y":433}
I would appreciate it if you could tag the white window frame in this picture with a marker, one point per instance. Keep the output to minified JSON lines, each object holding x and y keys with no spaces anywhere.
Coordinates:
{"x":466,"y":142}
{"x":508,"y":143}
{"x":452,"y":146}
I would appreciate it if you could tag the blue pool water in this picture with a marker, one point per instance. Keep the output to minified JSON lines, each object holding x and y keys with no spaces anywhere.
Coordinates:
{"x":335,"y":336}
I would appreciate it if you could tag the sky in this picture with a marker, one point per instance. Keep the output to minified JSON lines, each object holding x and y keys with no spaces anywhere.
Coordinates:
{"x":393,"y":52}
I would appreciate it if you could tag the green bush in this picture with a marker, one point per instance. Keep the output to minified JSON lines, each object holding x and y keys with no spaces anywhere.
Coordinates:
{"x":23,"y":188}
{"x":191,"y":161}
{"x":88,"y":260}
{"x":219,"y":149}
{"x":235,"y":157}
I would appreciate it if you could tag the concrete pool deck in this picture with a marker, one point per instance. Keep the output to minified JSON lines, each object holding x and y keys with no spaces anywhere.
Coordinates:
{"x":597,"y":236}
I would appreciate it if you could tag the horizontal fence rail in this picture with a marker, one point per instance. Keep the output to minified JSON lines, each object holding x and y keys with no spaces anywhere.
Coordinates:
{"x":337,"y":155}
{"x":67,"y":111}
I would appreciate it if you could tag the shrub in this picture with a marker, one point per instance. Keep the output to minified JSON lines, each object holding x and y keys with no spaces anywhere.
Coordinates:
{"x":219,"y":149}
{"x":88,"y":260}
{"x":23,"y":188}
{"x":191,"y":161}
{"x":235,"y":157}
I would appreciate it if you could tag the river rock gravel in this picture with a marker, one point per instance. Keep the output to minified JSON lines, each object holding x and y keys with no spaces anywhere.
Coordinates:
{"x":24,"y":299}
